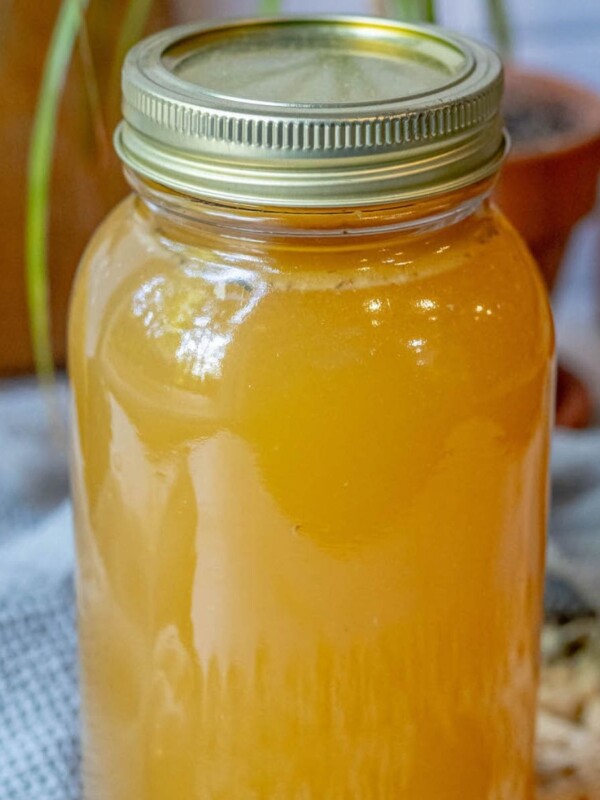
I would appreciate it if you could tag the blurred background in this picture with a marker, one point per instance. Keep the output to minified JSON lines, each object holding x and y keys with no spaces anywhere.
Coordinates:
{"x":57,"y":185}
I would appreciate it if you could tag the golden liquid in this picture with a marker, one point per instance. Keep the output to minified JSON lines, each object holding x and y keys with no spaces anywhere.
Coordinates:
{"x":310,"y":484}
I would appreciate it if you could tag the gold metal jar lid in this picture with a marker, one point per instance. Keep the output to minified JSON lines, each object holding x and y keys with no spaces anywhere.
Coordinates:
{"x":311,"y":111}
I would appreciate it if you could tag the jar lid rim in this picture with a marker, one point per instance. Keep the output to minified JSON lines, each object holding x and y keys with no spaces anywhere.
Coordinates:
{"x":335,"y":110}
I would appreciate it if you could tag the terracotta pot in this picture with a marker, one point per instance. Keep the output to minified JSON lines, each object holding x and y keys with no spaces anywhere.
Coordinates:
{"x":548,"y":184}
{"x":574,"y":408}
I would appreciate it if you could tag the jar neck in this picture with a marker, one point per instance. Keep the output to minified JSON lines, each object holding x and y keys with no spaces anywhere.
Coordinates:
{"x":181,"y":215}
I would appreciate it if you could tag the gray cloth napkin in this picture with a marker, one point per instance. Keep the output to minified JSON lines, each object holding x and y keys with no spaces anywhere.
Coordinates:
{"x":574,"y":541}
{"x":39,"y":742}
{"x":39,"y":745}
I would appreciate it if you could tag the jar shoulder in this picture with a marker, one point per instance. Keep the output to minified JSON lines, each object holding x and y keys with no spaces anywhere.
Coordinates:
{"x":462,"y":289}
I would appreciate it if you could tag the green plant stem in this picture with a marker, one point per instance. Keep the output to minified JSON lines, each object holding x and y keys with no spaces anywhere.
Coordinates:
{"x":429,"y":13}
{"x":92,"y":90}
{"x":270,"y":8}
{"x":415,"y":10}
{"x":41,"y":150}
{"x":500,"y":26}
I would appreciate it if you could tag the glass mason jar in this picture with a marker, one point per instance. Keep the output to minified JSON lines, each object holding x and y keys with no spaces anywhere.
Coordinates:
{"x":312,"y":367}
